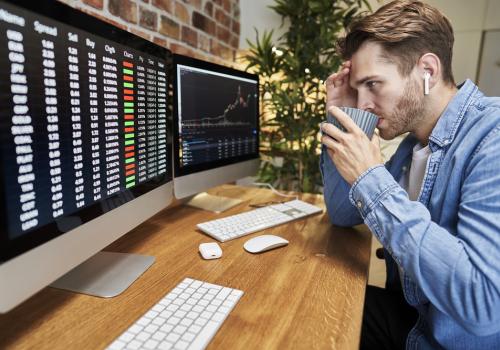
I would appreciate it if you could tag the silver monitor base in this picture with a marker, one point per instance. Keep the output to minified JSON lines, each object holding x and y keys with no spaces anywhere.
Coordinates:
{"x":105,"y":275}
{"x":213,"y":203}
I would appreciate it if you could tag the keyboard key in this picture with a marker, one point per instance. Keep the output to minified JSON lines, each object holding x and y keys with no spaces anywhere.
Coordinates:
{"x":150,"y":344}
{"x":173,"y":337}
{"x":164,"y":345}
{"x":134,"y":344}
{"x":181,"y":345}
{"x":143,"y":336}
{"x":151,"y":328}
{"x":159,"y":336}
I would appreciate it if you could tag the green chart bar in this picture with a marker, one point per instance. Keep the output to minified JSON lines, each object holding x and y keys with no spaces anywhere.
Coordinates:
{"x":128,"y":71}
{"x":129,"y":123}
{"x":128,"y":104}
{"x":129,"y":85}
{"x":131,"y":184}
{"x":129,"y":135}
{"x":130,"y":178}
{"x":129,"y":142}
{"x":129,"y":160}
{"x":129,"y":110}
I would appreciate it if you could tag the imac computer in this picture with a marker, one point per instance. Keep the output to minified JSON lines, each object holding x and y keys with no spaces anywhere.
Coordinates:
{"x":85,"y":148}
{"x":216,"y":129}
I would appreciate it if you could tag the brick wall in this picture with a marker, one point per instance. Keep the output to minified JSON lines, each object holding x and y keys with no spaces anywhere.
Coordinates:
{"x":206,"y":29}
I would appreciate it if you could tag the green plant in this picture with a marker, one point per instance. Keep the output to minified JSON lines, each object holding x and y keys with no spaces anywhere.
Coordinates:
{"x":292,"y":71}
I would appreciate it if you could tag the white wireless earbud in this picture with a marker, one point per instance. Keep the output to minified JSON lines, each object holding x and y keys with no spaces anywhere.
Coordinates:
{"x":427,"y":76}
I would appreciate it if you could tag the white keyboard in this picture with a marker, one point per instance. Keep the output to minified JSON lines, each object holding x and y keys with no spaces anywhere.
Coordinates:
{"x":186,"y":318}
{"x":238,"y":225}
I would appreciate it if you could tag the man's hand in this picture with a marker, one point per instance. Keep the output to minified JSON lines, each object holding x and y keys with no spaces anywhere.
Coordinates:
{"x":338,"y":90}
{"x":351,"y":152}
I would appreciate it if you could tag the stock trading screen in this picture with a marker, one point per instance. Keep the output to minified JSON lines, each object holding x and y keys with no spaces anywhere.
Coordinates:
{"x":218,"y":116}
{"x":82,"y":118}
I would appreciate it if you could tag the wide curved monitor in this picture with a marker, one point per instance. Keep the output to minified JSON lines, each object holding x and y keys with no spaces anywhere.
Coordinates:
{"x":216,"y":125}
{"x":85,"y":140}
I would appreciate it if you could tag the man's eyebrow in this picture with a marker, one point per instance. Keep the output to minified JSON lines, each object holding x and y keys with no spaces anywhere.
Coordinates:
{"x":363,"y":80}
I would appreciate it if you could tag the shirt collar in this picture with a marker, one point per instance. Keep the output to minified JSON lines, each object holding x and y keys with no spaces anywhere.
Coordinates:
{"x":449,"y":121}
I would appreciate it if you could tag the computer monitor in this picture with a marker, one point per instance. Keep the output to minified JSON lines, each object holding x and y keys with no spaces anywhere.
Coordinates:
{"x":85,"y":142}
{"x":216,"y":125}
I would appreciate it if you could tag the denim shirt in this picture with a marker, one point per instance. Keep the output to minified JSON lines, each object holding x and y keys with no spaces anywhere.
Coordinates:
{"x":447,"y":243}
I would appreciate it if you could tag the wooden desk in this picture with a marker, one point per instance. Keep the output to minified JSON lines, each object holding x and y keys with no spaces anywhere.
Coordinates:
{"x":306,"y":295}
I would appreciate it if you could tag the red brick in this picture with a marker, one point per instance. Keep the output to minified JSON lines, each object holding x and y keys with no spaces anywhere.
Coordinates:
{"x":160,"y":41}
{"x":204,"y":42}
{"x":222,"y":18}
{"x":236,"y":10}
{"x":125,"y":9}
{"x":140,"y":33}
{"x":223,"y":34}
{"x":94,"y":3}
{"x":169,"y":27}
{"x":235,"y":41}
{"x":226,"y":5}
{"x":195,"y":3}
{"x":203,"y":22}
{"x":148,"y":19}
{"x":181,"y":49}
{"x":182,"y":13}
{"x":167,"y":5}
{"x":221,"y":50}
{"x":209,"y":8}
{"x":189,"y":36}
{"x":105,"y":19}
{"x":236,"y":27}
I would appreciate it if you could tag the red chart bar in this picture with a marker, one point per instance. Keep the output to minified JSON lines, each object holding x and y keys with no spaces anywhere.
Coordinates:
{"x":128,"y":64}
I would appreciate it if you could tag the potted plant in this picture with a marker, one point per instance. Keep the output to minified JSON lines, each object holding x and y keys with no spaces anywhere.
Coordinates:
{"x":292,"y":70}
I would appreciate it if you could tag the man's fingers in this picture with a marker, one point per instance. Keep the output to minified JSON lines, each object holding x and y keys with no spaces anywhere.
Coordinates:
{"x":332,"y":132}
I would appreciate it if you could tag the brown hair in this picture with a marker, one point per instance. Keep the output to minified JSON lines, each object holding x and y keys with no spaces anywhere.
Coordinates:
{"x":406,"y":30}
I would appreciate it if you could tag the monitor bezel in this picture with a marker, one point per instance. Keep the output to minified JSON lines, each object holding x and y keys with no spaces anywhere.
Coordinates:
{"x":197,"y":63}
{"x":11,"y":248}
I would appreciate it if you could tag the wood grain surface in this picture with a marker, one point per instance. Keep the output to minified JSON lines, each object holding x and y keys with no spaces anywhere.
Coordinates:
{"x":307,"y":295}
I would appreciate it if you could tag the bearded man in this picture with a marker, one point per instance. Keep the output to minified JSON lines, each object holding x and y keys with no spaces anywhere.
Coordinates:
{"x":435,"y":205}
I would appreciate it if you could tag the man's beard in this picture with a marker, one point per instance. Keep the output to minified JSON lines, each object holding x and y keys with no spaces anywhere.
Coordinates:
{"x":407,"y":114}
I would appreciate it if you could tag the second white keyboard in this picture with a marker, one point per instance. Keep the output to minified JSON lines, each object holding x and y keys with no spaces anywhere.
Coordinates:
{"x":186,"y":318}
{"x":238,"y":225}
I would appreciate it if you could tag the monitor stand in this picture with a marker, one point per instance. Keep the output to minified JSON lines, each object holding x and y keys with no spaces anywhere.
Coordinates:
{"x":105,"y":274}
{"x":212,"y":203}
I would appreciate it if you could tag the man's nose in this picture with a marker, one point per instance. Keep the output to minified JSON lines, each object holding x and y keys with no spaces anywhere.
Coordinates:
{"x":365,"y":104}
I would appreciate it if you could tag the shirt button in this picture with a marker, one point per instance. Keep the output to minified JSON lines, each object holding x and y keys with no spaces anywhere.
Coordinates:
{"x":359,"y":204}
{"x":404,"y":168}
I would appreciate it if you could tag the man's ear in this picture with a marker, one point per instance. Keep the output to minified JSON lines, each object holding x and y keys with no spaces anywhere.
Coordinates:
{"x":429,"y":69}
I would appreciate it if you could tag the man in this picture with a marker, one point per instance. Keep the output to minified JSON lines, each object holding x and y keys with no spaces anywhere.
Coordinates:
{"x":435,"y":206}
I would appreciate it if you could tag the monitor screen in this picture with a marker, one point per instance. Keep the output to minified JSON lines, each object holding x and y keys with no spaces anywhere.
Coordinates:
{"x":216,"y":116}
{"x":83,"y":121}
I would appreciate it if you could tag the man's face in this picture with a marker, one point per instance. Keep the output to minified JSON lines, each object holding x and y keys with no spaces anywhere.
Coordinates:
{"x":397,"y":100}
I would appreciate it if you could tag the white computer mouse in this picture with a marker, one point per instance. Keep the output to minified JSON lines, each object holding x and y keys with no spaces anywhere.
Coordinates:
{"x":263,"y":243}
{"x":210,"y":250}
